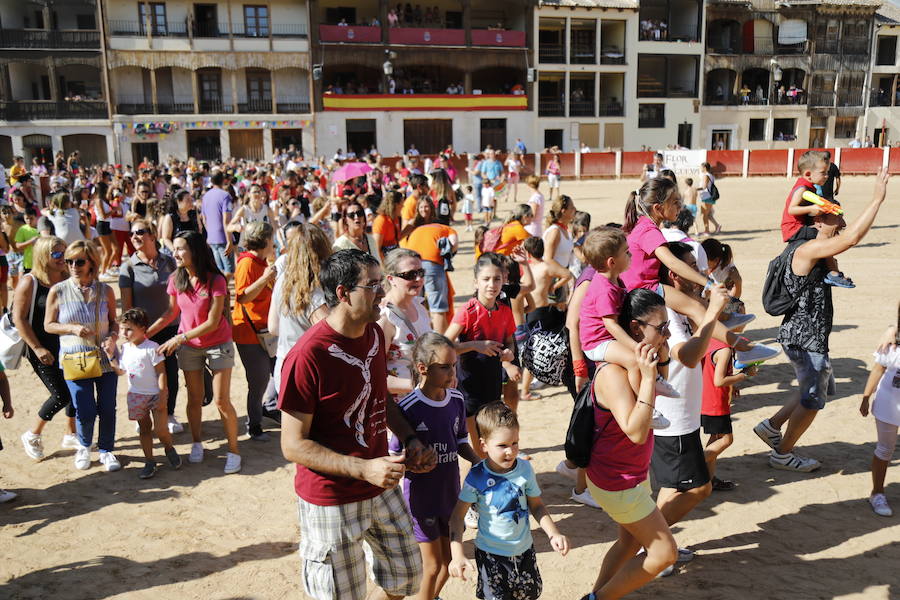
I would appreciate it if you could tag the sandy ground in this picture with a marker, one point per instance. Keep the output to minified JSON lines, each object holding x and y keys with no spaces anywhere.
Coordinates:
{"x":197,"y":533}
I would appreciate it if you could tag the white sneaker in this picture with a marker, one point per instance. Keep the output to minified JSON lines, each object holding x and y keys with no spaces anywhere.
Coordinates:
{"x":109,"y":460}
{"x":664,"y":388}
{"x":83,"y":458}
{"x":33,"y":445}
{"x":792,"y":462}
{"x":684,"y":555}
{"x":757,"y":354}
{"x":566,"y":471}
{"x":768,"y":434}
{"x":738,"y":320}
{"x":232,"y":463}
{"x":584,"y":498}
{"x":878,"y":502}
{"x":659,"y":421}
{"x":174,"y":425}
{"x":6,"y":496}
{"x":70,"y":442}
{"x":196,"y":455}
{"x":471,"y":519}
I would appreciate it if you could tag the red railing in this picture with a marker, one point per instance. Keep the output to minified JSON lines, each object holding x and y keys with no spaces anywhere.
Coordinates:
{"x":798,"y":152}
{"x":498,"y":37}
{"x":767,"y":162}
{"x":598,"y":164}
{"x":726,"y":162}
{"x":428,"y":37}
{"x":633,"y":162}
{"x":350,"y":34}
{"x":861,"y":161}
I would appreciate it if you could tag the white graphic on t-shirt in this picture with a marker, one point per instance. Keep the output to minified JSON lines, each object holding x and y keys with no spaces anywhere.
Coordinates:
{"x":358,"y":406}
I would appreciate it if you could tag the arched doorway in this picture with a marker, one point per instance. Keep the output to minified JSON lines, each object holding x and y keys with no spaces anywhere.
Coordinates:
{"x":757,"y":80}
{"x":37,"y":145}
{"x":91,"y":147}
{"x":720,"y":86}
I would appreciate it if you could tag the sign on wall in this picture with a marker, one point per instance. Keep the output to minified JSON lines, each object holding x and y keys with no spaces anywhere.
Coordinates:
{"x":685,"y":163}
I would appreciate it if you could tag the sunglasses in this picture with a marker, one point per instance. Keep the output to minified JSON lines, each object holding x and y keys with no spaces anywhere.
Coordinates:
{"x":356,"y":215}
{"x":57,"y":255}
{"x":140,"y":232}
{"x":662,"y":328}
{"x":76,"y":262}
{"x":411,"y":275}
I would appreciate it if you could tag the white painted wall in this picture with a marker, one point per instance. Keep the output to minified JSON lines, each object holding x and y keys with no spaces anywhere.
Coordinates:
{"x":291,"y":84}
{"x":128,"y":84}
{"x":21,"y":78}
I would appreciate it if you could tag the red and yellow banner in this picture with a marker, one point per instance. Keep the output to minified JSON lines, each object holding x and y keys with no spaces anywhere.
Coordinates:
{"x":425,"y":102}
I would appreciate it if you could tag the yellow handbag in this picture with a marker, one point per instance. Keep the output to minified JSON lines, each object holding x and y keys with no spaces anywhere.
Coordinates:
{"x":85,"y":364}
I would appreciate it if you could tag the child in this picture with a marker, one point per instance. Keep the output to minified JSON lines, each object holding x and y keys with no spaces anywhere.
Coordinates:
{"x":796,"y":224}
{"x":439,"y":415}
{"x":504,"y":489}
{"x":602,"y":338}
{"x":658,"y":200}
{"x":483,"y":318}
{"x":581,"y":224}
{"x":7,"y":409}
{"x":720,"y":261}
{"x":884,"y":382}
{"x":146,"y":385}
{"x":690,"y":201}
{"x":553,"y":171}
{"x":468,"y":204}
{"x":715,"y":411}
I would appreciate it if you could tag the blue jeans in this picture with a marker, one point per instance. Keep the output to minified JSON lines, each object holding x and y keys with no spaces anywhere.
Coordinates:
{"x":88,"y":408}
{"x":225,"y":262}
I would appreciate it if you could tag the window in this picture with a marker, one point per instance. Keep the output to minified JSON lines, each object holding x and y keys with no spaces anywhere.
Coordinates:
{"x":667,"y":76}
{"x":154,"y":14}
{"x":850,"y":90}
{"x":887,"y":50}
{"x":259,"y":85}
{"x":651,"y":115}
{"x":256,"y":21}
{"x":210,"y":83}
{"x":88,"y":21}
{"x":845,"y":127}
{"x":757,"y":132}
{"x":784,"y":130}
{"x":670,"y":20}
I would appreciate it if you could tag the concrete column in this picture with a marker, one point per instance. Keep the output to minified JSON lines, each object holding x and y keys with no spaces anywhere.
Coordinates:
{"x":57,"y":142}
{"x":54,"y":80}
{"x":568,"y":40}
{"x":790,"y":162}
{"x":467,"y":20}
{"x":836,"y":159}
{"x":618,"y":164}
{"x":578,"y":163}
{"x":230,"y":30}
{"x":47,"y":17}
{"x":195,"y":89}
{"x":566,"y":93}
{"x":153,"y":91}
{"x":111,"y":155}
{"x":224,"y":143}
{"x":274,"y":92}
{"x":268,"y":147}
{"x":234,"y":93}
{"x":745,"y":169}
{"x":467,"y":82}
{"x":885,"y":157}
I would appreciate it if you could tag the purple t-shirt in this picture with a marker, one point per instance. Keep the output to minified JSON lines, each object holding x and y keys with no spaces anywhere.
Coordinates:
{"x":215,"y":203}
{"x":643,"y":241}
{"x":587,"y":274}
{"x":603,"y":299}
{"x":441,"y":425}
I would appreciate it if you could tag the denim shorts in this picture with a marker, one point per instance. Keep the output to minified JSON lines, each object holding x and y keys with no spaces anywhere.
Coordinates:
{"x":15,"y":263}
{"x":437,"y":291}
{"x":814,"y":376}
{"x":224,"y":262}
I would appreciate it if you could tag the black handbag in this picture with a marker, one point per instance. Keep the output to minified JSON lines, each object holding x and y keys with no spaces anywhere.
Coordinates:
{"x":580,"y":435}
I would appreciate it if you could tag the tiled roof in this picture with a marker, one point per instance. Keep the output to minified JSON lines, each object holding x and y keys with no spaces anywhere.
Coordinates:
{"x":853,"y":3}
{"x":888,"y":13}
{"x":633,"y":4}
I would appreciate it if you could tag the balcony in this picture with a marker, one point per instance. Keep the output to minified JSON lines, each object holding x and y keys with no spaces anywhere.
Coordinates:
{"x":612,"y":109}
{"x":552,"y":53}
{"x":855,"y":45}
{"x":428,"y":37}
{"x":581,"y":108}
{"x":551,"y":108}
{"x":424,"y":102}
{"x":255,"y":105}
{"x":214,"y":106}
{"x":175,"y":106}
{"x":137,"y":29}
{"x":292,"y":105}
{"x":35,"y":39}
{"x":32,"y":110}
{"x":178,"y":29}
{"x":880,"y":97}
{"x":612,"y":56}
{"x":818,"y":98}
{"x":498,"y":37}
{"x":127,"y":105}
{"x":350,"y":35}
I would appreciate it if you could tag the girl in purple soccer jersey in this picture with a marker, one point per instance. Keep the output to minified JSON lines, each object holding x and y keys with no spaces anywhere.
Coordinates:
{"x":436,"y":411}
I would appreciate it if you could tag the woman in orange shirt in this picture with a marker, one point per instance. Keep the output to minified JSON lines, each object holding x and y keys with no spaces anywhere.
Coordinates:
{"x":514,"y":232}
{"x":386,"y":226}
{"x":439,"y":292}
{"x":253,"y":281}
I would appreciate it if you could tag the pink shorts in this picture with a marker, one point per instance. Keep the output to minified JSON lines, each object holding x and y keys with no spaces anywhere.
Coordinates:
{"x":140,"y":406}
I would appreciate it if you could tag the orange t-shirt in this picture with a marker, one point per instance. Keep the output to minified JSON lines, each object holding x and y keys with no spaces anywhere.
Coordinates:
{"x":408,"y":212}
{"x":387,"y":229}
{"x":249,"y":269}
{"x":423,"y":239}
{"x":511,"y":236}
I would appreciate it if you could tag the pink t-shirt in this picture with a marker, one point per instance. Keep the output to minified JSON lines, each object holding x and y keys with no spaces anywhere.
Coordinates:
{"x":643,"y":241}
{"x":603,"y":299}
{"x":194,"y":308}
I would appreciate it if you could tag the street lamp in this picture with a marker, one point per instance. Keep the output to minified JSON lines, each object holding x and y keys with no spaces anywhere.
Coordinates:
{"x":388,"y":68}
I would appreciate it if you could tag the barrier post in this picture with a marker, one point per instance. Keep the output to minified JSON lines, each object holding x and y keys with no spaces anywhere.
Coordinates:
{"x":578,"y":166}
{"x":886,"y":159}
{"x":537,"y":164}
{"x":790,"y":161}
{"x":746,"y":167}
{"x":618,"y":164}
{"x":837,"y":156}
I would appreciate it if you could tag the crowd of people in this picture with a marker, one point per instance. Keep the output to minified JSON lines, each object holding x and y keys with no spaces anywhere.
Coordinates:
{"x":336,"y":294}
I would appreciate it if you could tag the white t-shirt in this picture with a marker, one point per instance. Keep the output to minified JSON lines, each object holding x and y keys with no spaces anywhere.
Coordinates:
{"x":886,"y":404}
{"x":139,"y":362}
{"x":684,"y":412}
{"x":676,"y":235}
{"x":536,"y":226}
{"x":120,"y":223}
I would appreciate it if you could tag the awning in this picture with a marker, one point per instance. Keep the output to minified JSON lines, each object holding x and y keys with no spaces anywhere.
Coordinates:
{"x":792,"y":31}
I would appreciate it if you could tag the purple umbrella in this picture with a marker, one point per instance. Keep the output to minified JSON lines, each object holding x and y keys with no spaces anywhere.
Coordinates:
{"x":351,"y":171}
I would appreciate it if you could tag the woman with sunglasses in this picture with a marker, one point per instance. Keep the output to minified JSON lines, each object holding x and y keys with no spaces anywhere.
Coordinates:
{"x":254,"y":209}
{"x":354,"y":221}
{"x":143,"y":281}
{"x":82,"y":311}
{"x":43,"y":347}
{"x":198,"y":293}
{"x":180,"y":216}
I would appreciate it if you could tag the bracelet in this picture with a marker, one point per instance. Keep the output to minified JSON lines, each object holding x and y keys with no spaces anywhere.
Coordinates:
{"x":580,"y":368}
{"x":664,"y":363}
{"x":647,"y":403}
{"x":409,"y":438}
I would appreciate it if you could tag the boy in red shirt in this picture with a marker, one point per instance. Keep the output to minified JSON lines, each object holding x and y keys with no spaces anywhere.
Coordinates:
{"x":796,"y":219}
{"x":715,"y":411}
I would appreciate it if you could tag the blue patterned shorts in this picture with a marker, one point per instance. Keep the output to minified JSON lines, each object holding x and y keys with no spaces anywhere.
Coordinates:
{"x":508,"y":577}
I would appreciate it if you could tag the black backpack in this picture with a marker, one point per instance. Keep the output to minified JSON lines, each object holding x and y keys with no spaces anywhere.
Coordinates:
{"x":777,"y":299}
{"x":713,"y":192}
{"x":580,"y":434}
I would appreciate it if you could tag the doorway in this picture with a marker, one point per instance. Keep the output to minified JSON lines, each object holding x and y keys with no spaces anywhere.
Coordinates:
{"x":246,"y":144}
{"x":141,"y":149}
{"x":430,"y":136}
{"x":553,"y":137}
{"x":881,"y":137}
{"x":817,"y":137}
{"x":37,"y":146}
{"x":203,"y":144}
{"x":685,"y":134}
{"x":721,"y":139}
{"x":206,"y":20}
{"x":493,"y":134}
{"x":361,"y":135}
{"x":285,"y":138}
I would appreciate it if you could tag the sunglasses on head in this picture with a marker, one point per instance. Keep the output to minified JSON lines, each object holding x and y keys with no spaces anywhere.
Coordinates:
{"x":140,"y":232}
{"x":356,"y":215}
{"x":76,"y":262}
{"x":411,"y":275}
{"x":57,"y":255}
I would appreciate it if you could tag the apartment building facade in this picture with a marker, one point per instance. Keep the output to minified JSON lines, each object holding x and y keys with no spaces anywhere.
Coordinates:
{"x":882,"y":122}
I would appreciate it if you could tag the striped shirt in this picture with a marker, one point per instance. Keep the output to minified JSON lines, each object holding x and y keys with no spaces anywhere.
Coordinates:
{"x":74,"y":309}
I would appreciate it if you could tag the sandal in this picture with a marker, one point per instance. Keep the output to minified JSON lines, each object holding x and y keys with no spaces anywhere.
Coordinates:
{"x":722,"y":485}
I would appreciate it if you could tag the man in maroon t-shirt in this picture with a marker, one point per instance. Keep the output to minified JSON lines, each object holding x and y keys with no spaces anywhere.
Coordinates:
{"x":336,"y":413}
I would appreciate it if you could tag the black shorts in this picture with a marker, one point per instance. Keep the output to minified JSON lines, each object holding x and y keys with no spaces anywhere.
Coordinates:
{"x":679,"y":462}
{"x":716,"y":424}
{"x":474,"y":404}
{"x":103,"y":228}
{"x":508,"y":576}
{"x":807,"y":232}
